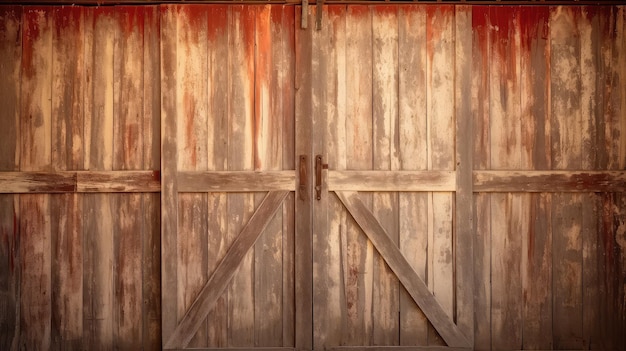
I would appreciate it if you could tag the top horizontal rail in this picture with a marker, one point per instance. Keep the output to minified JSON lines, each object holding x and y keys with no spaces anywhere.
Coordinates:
{"x":298,"y":2}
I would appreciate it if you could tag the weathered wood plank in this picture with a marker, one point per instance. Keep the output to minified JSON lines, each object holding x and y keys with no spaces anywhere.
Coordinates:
{"x":412,"y":138}
{"x":169,"y":162}
{"x":217,"y":153}
{"x":482,"y":160}
{"x":407,"y":276}
{"x":399,"y":348}
{"x":565,"y":73}
{"x":506,"y":209}
{"x":192,"y":118}
{"x":226,"y":270}
{"x":327,"y":121}
{"x":236,"y":181}
{"x":391,"y":180}
{"x":285,"y":78}
{"x":440,"y":137}
{"x":35,"y":155}
{"x":303,"y":242}
{"x":358,"y":145}
{"x":590,"y":28}
{"x":241,"y":158}
{"x":557,"y":181}
{"x":464,"y":204}
{"x":536,"y":265}
{"x":66,"y":210}
{"x":10,"y":141}
{"x":385,"y":289}
{"x":268,"y":138}
{"x":128,"y":141}
{"x":99,"y":209}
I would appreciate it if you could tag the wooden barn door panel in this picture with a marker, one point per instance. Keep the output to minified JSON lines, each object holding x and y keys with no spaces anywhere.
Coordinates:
{"x":228,"y":176}
{"x":386,"y":123}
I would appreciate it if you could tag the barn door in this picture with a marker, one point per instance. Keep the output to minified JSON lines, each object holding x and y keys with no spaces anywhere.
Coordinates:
{"x":229,"y":247}
{"x":391,"y":235}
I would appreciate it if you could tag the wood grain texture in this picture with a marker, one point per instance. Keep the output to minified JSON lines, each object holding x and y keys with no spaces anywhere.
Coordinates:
{"x":441,"y":153}
{"x":241,"y":158}
{"x":557,"y":181}
{"x":303,"y":249}
{"x":464,"y":210}
{"x":10,"y":67}
{"x":327,"y":103}
{"x":35,"y":155}
{"x":412,"y":138}
{"x":225,"y":271}
{"x":566,"y":151}
{"x":407,"y":276}
{"x":192,"y":133}
{"x":169,"y":162}
{"x":385,"y":134}
{"x":535,"y":140}
{"x":482,"y":160}
{"x":67,"y":142}
{"x":387,"y":180}
{"x":217,"y":160}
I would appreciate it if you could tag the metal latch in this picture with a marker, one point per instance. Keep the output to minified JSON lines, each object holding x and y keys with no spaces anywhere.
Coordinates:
{"x":319,"y":166}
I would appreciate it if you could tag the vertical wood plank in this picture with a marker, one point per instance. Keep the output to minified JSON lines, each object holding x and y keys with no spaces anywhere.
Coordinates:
{"x":386,"y":288}
{"x":128,"y":144}
{"x":67,"y":147}
{"x":151,"y":214}
{"x":566,"y":152}
{"x":241,"y":157}
{"x":10,"y":67}
{"x":303,"y":203}
{"x":329,"y":124}
{"x":285,"y":77}
{"x":507,"y":209}
{"x":413,"y":156}
{"x":537,"y":244}
{"x":464,"y":216}
{"x":169,"y":162}
{"x":35,"y":154}
{"x":217,"y":153}
{"x":590,"y":55}
{"x":98,"y":285}
{"x":191,"y":108}
{"x":358,"y":146}
{"x":482,"y":160}
{"x":440,"y":139}
{"x":268,"y":314}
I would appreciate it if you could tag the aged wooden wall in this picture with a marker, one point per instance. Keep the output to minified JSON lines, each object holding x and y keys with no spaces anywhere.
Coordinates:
{"x":540,"y":92}
{"x":79,"y":92}
{"x":549,"y":93}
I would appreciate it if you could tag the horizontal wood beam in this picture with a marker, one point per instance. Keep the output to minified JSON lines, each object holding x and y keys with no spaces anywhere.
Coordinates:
{"x":149,"y":181}
{"x":397,"y":348}
{"x":80,"y":182}
{"x":549,"y":181}
{"x":391,"y":181}
{"x":236,"y":181}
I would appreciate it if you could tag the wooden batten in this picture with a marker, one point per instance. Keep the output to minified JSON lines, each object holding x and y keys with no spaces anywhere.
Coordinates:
{"x":80,"y":182}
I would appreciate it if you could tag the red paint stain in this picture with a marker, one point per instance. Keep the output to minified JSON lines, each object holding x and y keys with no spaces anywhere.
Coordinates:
{"x":194,"y":19}
{"x":504,"y":22}
{"x":438,"y":19}
{"x":217,"y":22}
{"x":35,"y":20}
{"x":131,"y":19}
{"x":534,"y":25}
